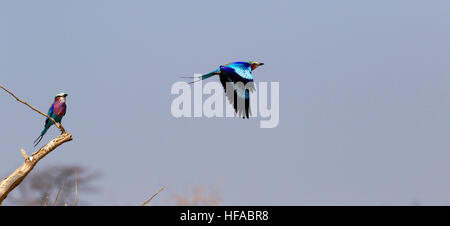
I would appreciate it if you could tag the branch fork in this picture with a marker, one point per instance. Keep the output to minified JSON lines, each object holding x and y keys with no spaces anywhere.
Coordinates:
{"x":14,"y":179}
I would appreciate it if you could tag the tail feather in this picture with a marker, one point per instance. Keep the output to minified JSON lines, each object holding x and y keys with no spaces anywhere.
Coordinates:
{"x":203,"y":77}
{"x":38,"y":140}
{"x":47,"y":125}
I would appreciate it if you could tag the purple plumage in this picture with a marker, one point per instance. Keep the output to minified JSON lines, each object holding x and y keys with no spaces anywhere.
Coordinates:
{"x":56,"y":112}
{"x":59,"y":107}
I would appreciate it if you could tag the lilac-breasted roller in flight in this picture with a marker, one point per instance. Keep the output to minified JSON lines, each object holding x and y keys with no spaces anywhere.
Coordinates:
{"x":238,"y":77}
{"x":56,"y":112}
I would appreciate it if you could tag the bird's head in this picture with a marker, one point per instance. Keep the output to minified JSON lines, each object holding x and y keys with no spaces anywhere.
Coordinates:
{"x":61,"y":97}
{"x":255,"y":64}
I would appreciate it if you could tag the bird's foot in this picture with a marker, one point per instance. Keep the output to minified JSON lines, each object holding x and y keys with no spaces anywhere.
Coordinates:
{"x":60,"y":127}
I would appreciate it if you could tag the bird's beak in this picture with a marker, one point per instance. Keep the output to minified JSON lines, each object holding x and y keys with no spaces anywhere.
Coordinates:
{"x":260,"y":64}
{"x":66,"y":95}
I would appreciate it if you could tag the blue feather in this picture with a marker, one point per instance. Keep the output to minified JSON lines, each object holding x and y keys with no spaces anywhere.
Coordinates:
{"x":242,"y":69}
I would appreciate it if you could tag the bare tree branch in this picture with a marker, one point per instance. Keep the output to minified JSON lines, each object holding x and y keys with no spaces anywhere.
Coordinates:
{"x":57,"y":194}
{"x":145,"y":203}
{"x":76,"y":187}
{"x":9,"y":183}
{"x":59,"y":125}
{"x":13,"y":180}
{"x":46,"y":201}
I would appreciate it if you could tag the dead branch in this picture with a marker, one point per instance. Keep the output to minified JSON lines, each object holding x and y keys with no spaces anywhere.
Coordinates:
{"x":145,"y":203}
{"x":46,"y":201}
{"x":14,"y":179}
{"x":57,"y":194}
{"x":59,"y":125}
{"x":76,"y":187}
{"x":9,"y":183}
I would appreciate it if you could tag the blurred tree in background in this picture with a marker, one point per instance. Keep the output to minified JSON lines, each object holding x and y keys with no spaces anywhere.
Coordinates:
{"x":42,"y":187}
{"x":199,"y":196}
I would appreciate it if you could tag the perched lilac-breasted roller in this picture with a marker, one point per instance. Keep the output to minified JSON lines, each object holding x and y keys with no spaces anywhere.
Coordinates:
{"x":56,"y":112}
{"x":238,"y":77}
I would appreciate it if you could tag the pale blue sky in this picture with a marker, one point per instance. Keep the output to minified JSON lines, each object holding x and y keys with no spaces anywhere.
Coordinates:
{"x":364,"y":97}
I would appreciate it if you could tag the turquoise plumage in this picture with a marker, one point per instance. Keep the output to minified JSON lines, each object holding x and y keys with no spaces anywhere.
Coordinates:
{"x":56,"y":112}
{"x":243,"y":69}
{"x":238,"y":77}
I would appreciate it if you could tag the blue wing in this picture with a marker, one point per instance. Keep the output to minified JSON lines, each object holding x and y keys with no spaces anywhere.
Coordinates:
{"x":240,"y":69}
{"x":50,"y":113}
{"x":239,"y":94}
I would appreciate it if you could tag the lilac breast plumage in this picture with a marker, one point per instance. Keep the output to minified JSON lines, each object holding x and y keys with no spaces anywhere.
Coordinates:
{"x":59,"y":108}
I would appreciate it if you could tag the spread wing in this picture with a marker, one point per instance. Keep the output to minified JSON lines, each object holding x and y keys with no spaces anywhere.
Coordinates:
{"x":237,"y":82}
{"x":240,"y":69}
